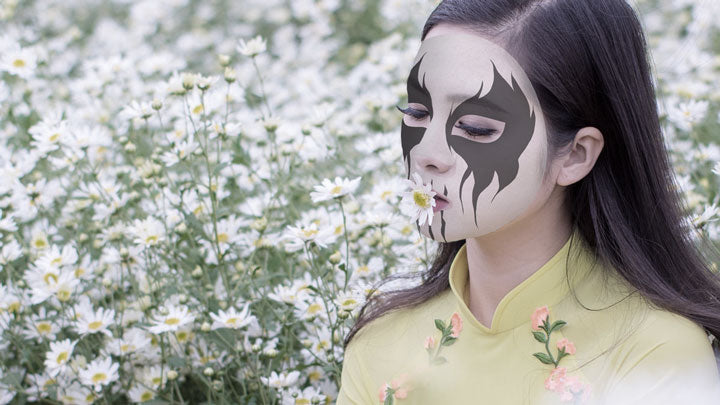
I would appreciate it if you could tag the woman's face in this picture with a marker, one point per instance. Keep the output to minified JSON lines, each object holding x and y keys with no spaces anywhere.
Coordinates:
{"x":474,"y":130}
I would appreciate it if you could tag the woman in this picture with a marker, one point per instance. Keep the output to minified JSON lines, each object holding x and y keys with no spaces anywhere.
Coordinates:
{"x":565,"y":271}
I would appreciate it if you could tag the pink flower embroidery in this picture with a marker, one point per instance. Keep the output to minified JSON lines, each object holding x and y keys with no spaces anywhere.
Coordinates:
{"x":570,"y":388}
{"x":429,"y":342}
{"x":450,"y":333}
{"x":539,"y":316}
{"x":397,"y":389}
{"x":457,"y":324}
{"x":566,"y":345}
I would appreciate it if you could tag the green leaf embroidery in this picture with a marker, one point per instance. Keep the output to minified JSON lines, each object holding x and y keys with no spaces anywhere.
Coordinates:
{"x":440,"y":325}
{"x":557,"y":325}
{"x":543,"y":358}
{"x":540,"y":337}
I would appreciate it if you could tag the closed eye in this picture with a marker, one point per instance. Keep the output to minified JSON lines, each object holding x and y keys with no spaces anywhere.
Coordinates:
{"x":476,"y":132}
{"x":413,"y":112}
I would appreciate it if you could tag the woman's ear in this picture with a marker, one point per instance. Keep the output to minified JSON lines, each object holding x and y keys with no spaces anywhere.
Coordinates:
{"x":580,"y":160}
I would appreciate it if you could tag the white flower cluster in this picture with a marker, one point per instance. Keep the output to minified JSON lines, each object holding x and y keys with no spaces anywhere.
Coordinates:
{"x":191,"y":212}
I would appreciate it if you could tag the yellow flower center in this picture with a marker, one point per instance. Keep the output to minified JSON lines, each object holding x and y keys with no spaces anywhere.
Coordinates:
{"x":232,"y":321}
{"x":18,"y":63}
{"x":338,"y":229}
{"x":62,"y":357}
{"x":99,"y":377}
{"x":56,"y":260}
{"x":309,"y":233}
{"x":54,"y":137}
{"x":63,"y":295}
{"x":198,"y":109}
{"x":44,"y":327}
{"x":301,"y":401}
{"x":421,"y":199}
{"x":385,"y":195}
{"x":151,"y":239}
{"x":95,"y":325}
{"x":172,"y":321}
{"x":314,"y":308}
{"x":146,"y":396}
{"x":336,"y":190}
{"x":124,"y":348}
{"x":40,"y":243}
{"x":49,"y":276}
{"x":156,"y":380}
{"x":223,"y":237}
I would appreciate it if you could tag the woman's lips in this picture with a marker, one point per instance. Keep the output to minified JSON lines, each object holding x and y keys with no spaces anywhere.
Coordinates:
{"x":440,"y":203}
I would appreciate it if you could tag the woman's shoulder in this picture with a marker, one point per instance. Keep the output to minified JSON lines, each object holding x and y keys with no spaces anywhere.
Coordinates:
{"x":395,"y":326}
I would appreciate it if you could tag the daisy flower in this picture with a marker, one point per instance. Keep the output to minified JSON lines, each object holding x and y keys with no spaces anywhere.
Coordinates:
{"x":56,"y":360}
{"x":99,"y":372}
{"x":98,"y":321}
{"x":252,"y":47}
{"x":334,"y":189}
{"x":176,"y":316}
{"x":232,"y":319}
{"x":296,"y":236}
{"x":419,"y":201}
{"x":19,"y":61}
{"x":282,"y":380}
{"x":140,"y":393}
{"x":147,"y":232}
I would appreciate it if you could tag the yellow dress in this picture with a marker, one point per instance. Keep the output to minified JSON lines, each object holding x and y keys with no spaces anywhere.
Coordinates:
{"x":626,"y":351}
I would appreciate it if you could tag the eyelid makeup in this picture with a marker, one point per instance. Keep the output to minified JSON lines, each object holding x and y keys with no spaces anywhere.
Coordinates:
{"x":414,"y":112}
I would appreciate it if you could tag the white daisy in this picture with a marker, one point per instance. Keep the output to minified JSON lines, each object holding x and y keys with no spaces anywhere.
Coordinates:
{"x":252,"y":47}
{"x":19,"y":61}
{"x":98,"y":321}
{"x":282,"y":380}
{"x":296,"y":236}
{"x":139,"y":393}
{"x":176,"y":316}
{"x":418,"y":203}
{"x":56,"y":360}
{"x":147,"y":232}
{"x":232,"y":319}
{"x":334,"y":189}
{"x":99,"y":372}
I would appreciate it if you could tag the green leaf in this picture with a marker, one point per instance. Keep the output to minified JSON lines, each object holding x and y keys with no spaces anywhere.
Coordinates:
{"x":543,"y":358}
{"x":440,"y":325}
{"x":449,"y":340}
{"x":439,"y":360}
{"x":540,"y":337}
{"x":557,"y":325}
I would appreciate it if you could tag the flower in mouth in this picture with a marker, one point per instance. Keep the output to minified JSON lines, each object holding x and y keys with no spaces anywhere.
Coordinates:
{"x":419,"y":201}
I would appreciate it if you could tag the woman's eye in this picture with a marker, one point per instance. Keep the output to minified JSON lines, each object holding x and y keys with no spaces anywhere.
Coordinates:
{"x":413,"y":112}
{"x":476,"y":132}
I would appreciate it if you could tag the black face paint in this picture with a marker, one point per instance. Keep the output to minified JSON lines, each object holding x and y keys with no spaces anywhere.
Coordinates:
{"x":417,"y":93}
{"x":442,"y":219}
{"x":504,"y":103}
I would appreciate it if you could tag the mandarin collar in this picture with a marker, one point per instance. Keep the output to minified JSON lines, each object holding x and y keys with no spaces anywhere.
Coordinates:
{"x":547,"y":286}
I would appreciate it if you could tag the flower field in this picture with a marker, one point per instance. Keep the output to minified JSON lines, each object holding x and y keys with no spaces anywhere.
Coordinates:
{"x":196,"y":198}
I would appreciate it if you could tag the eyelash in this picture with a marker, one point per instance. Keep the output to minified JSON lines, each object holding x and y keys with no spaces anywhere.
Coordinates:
{"x":471,"y":131}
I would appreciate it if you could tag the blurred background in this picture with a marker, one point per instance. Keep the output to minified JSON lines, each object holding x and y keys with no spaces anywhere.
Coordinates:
{"x":160,"y":242}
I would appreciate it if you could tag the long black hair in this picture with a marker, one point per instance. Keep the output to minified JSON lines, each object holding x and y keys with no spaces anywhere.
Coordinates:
{"x":588,"y":63}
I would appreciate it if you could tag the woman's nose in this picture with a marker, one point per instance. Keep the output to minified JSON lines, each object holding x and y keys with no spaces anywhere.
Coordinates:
{"x":432,"y":154}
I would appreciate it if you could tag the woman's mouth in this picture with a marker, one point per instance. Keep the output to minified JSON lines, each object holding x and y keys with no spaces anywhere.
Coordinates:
{"x":440,"y":203}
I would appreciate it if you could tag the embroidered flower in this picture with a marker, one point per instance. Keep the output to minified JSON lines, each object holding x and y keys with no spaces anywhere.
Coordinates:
{"x":567,"y":345}
{"x":397,"y":388}
{"x":457,"y":325}
{"x":429,"y":342}
{"x":450,"y":333}
{"x":539,"y":316}
{"x":570,"y":388}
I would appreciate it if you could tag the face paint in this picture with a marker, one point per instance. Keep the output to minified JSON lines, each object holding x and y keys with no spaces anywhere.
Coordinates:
{"x":475,"y":131}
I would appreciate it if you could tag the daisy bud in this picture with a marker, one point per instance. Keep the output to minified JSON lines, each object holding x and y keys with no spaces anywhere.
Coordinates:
{"x":224,"y":59}
{"x":172,"y":374}
{"x":156,"y":104}
{"x":205,"y":327}
{"x":188,"y":81}
{"x":239,"y":265}
{"x":181,"y":227}
{"x":330,"y":358}
{"x":197,"y":272}
{"x":259,"y":224}
{"x":255,"y":347}
{"x":223,"y":304}
{"x":230,"y":75}
{"x":208,"y":371}
{"x":130,"y":147}
{"x":83,"y":237}
{"x":306,"y":129}
{"x":335,"y":257}
{"x":217,"y":385}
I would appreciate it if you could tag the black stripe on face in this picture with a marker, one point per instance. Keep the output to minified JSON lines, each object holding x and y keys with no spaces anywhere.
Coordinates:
{"x":506,"y":103}
{"x":417,"y":93}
